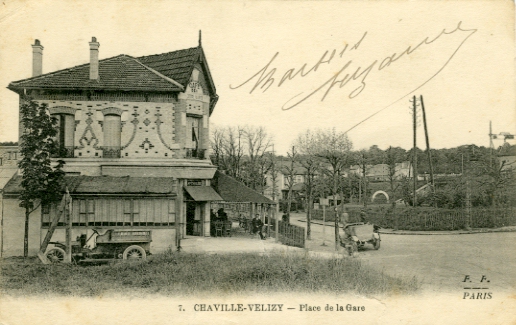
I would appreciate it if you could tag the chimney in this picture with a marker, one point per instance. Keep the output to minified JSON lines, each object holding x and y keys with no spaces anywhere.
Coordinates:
{"x":94,"y":59}
{"x":37,"y":58}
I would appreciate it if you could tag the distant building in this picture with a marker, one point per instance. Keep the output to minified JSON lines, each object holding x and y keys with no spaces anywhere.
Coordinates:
{"x":281,"y":186}
{"x":380,"y":172}
{"x":9,"y":156}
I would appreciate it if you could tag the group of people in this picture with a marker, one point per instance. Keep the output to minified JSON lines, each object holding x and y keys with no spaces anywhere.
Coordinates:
{"x":221,"y":215}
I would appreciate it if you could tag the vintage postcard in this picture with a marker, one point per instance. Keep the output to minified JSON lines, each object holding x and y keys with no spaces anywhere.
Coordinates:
{"x":191,"y":162}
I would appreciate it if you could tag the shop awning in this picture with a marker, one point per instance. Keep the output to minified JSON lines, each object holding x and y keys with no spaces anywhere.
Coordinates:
{"x":203,"y":193}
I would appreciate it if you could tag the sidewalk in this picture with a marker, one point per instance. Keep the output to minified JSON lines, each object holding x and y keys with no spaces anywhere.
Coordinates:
{"x":429,"y":232}
{"x":236,"y":245}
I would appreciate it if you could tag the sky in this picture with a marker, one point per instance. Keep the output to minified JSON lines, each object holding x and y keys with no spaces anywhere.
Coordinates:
{"x":295,"y":65}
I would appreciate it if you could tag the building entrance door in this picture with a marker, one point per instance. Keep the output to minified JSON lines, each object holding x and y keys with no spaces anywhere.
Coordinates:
{"x":193,"y":222}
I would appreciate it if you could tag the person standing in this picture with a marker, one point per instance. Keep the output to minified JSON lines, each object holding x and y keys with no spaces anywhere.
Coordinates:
{"x":257,"y":225}
{"x":344,"y":221}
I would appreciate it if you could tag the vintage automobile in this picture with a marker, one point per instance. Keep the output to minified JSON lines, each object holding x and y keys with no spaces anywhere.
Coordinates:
{"x":356,"y":235}
{"x":113,"y":244}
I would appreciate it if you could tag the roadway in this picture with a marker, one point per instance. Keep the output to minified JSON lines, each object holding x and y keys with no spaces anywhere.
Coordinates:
{"x":441,"y":262}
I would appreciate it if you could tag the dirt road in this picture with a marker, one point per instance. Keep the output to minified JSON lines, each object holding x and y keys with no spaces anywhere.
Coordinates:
{"x":441,"y":262}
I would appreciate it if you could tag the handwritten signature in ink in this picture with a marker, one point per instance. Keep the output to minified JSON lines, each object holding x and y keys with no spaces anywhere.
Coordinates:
{"x":265,"y":77}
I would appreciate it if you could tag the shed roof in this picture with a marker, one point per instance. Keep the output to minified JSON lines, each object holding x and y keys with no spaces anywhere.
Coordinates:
{"x":107,"y":185}
{"x":203,"y":193}
{"x":232,"y":190}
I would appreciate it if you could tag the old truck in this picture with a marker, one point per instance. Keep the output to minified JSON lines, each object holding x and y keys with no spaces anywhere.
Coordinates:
{"x":113,"y":244}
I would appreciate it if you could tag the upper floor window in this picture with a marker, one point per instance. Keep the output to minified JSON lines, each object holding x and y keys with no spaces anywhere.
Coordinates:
{"x":192,"y":132}
{"x":112,"y":132}
{"x":13,"y":155}
{"x":65,"y":130}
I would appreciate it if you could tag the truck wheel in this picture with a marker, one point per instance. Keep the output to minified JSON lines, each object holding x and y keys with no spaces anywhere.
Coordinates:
{"x":55,"y":255}
{"x":376,"y":244}
{"x":134,"y":252}
{"x":352,"y":248}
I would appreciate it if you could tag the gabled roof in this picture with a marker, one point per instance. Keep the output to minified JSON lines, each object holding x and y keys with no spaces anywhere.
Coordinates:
{"x":178,"y":65}
{"x":232,"y":190}
{"x":161,"y":72}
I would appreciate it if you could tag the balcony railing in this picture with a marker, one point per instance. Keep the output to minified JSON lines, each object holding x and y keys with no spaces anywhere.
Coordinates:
{"x":64,"y":152}
{"x":111,"y":152}
{"x":196,"y":153}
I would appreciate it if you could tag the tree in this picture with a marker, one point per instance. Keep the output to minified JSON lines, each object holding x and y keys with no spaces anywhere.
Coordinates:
{"x":8,"y":143}
{"x":228,"y":150}
{"x":334,"y":149}
{"x":274,"y":177}
{"x":311,"y":165}
{"x":41,"y":183}
{"x":258,"y":142}
{"x":391,"y":159}
{"x":495,"y":179}
{"x":289,"y":170}
{"x":240,"y":152}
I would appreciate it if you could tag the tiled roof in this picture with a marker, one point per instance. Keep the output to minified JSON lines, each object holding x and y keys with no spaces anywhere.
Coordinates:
{"x":107,"y":185}
{"x":121,"y":72}
{"x":232,"y":190}
{"x":156,"y":72}
{"x":177,"y":65}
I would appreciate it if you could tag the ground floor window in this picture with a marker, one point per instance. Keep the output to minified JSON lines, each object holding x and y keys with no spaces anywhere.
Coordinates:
{"x":107,"y":212}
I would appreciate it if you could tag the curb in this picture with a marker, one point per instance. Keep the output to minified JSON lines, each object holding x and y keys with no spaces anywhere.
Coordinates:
{"x":464,"y":232}
{"x":428,"y":233}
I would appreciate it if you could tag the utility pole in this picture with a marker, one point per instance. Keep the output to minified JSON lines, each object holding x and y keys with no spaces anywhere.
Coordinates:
{"x":414,"y":157}
{"x":491,"y":145}
{"x":428,"y":149}
{"x":364,"y":169}
{"x":276,"y":212}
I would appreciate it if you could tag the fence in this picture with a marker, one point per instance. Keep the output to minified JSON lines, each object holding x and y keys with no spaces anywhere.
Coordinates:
{"x":288,"y":234}
{"x":433,"y":219}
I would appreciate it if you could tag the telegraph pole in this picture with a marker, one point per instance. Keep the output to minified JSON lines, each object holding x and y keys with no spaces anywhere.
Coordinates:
{"x":414,"y":157}
{"x":428,"y":148}
{"x":491,"y":145}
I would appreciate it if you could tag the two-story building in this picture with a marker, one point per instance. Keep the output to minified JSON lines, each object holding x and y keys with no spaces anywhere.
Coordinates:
{"x":134,"y":134}
{"x":380,"y":172}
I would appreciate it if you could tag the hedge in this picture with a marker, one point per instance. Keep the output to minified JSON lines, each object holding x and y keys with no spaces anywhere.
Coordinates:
{"x":423,"y":218}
